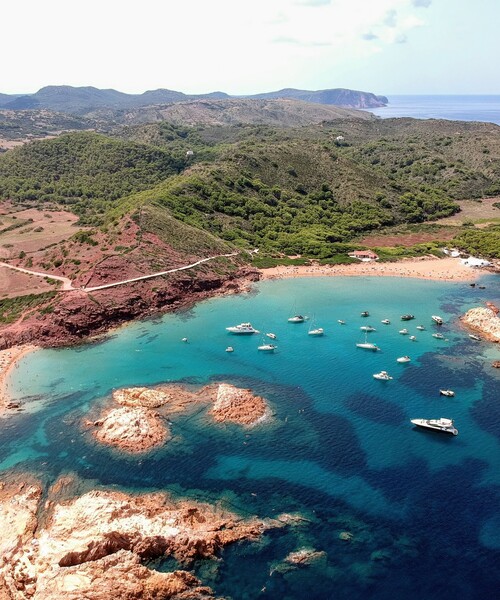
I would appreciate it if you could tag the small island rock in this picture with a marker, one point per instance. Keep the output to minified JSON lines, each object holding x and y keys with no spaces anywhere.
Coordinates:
{"x":132,"y":429}
{"x":238,"y":405}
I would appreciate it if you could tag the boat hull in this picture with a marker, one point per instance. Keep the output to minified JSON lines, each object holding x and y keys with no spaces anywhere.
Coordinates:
{"x":427,"y":424}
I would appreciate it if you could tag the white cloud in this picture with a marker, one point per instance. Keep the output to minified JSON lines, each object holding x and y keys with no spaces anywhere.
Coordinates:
{"x":423,"y":3}
{"x":391,"y":18}
{"x":198,"y":46}
{"x":314,"y":2}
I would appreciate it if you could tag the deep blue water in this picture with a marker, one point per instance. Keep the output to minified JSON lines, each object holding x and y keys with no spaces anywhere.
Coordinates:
{"x":423,"y":507}
{"x":456,"y":108}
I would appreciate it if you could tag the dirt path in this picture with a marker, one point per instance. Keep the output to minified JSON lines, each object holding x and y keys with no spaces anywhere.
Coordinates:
{"x":159,"y":274}
{"x":68,"y":285}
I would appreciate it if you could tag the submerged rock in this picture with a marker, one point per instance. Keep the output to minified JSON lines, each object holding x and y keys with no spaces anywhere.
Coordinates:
{"x":483,"y":321}
{"x":94,"y":546}
{"x":305,"y":556}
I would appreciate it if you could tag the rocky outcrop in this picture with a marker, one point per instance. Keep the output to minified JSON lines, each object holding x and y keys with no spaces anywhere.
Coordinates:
{"x":132,"y":429}
{"x":484,"y":322}
{"x":141,"y":396}
{"x":237,"y":405}
{"x":305,"y":556}
{"x":94,"y":546}
{"x":18,"y":523}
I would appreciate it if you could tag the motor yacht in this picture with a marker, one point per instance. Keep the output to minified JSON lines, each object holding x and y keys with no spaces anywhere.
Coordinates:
{"x":441,"y":424}
{"x":242,"y":328}
{"x":382,"y":376}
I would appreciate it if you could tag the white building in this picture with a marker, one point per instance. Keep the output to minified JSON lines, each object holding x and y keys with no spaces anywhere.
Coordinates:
{"x":472,"y":261}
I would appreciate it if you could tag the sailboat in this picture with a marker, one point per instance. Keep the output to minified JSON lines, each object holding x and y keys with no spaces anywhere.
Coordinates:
{"x":266,"y":346}
{"x":367,"y":345}
{"x":315,"y":331}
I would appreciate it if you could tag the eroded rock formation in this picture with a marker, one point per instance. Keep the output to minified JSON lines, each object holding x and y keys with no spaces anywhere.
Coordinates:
{"x":484,"y":322}
{"x":94,"y":546}
{"x":141,"y":396}
{"x":132,"y":429}
{"x":237,"y":405}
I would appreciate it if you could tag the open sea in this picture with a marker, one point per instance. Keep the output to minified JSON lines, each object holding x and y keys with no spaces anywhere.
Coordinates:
{"x":456,"y":108}
{"x":422,"y":507}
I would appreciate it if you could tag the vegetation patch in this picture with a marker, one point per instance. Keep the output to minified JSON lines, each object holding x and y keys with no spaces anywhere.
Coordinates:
{"x":12,"y":309}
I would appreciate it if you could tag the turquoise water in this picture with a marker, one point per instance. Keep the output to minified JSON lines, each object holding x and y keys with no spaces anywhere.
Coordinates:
{"x":340,"y":449}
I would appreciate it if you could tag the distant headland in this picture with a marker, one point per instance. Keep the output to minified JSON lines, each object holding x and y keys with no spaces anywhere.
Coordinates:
{"x":82,"y":100}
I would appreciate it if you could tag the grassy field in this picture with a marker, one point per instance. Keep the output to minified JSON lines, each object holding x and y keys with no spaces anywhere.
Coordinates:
{"x":480,"y":212}
{"x":37,"y":230}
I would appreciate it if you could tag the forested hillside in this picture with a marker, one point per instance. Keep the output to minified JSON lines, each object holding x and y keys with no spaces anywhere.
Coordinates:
{"x":291,"y":190}
{"x":84,"y":171}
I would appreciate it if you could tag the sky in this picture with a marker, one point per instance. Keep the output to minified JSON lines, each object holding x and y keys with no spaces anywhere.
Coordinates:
{"x":249,"y":46}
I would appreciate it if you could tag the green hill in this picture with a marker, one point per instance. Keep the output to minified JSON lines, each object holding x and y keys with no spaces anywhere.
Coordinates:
{"x":85,"y":171}
{"x":291,"y":190}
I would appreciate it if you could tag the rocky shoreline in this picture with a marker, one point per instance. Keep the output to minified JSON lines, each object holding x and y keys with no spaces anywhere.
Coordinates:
{"x":77,"y":316}
{"x":484,"y":322}
{"x":97,"y":545}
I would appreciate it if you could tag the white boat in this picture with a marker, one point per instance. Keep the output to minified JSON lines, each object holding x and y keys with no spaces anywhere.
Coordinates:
{"x":184,"y":340}
{"x":403,"y":359}
{"x":382,"y":376}
{"x":437,"y":319}
{"x":403,"y":331}
{"x":442,"y":424}
{"x":296,"y":319}
{"x":438,"y":336}
{"x":267,"y":348}
{"x":367,"y":345}
{"x":420,"y":327}
{"x":385,"y":321}
{"x":242,"y":328}
{"x":341,"y":322}
{"x":474,"y":337}
{"x":449,"y":393}
{"x":271,"y":335}
{"x":318,"y":331}
{"x":365,"y":313}
{"x":229,"y":349}
{"x":367,"y":328}
{"x":413,"y":338}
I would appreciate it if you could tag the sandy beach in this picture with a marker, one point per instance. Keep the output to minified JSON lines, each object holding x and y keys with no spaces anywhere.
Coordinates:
{"x":441,"y":269}
{"x":444,"y":269}
{"x":8,"y":360}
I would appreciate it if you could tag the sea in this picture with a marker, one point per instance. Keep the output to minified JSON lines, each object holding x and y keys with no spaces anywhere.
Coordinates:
{"x":391,"y":510}
{"x":456,"y":108}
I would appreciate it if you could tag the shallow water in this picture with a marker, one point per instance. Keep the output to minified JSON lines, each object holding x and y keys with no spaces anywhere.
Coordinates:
{"x":340,"y":450}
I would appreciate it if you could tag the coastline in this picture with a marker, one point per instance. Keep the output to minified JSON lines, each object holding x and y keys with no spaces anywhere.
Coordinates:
{"x":8,"y":360}
{"x":429,"y":268}
{"x":437,"y":269}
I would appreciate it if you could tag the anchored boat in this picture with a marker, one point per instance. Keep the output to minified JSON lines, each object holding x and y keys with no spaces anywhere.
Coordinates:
{"x":242,"y":328}
{"x":382,"y":376}
{"x":442,"y":424}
